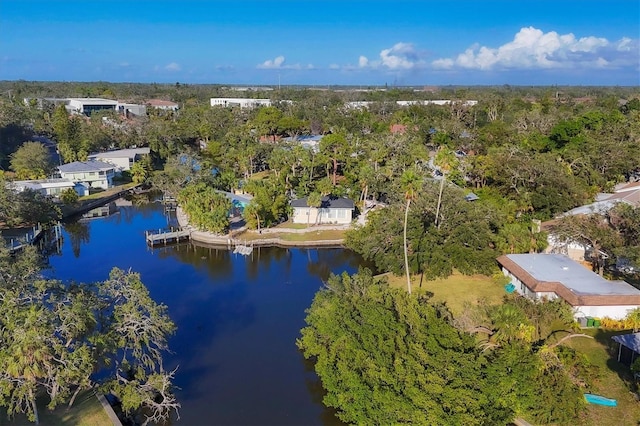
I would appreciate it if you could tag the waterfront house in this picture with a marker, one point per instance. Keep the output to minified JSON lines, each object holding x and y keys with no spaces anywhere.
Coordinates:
{"x":96,"y":174}
{"x":50,"y":187}
{"x":332,"y":210}
{"x":551,"y":276}
{"x":122,"y":159}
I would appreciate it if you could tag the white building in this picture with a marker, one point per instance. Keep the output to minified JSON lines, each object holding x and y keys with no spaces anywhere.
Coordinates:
{"x":440,"y":102}
{"x":551,"y":276}
{"x":87,"y":106}
{"x":122,"y":159}
{"x":162,"y":104}
{"x":50,"y":187}
{"x":240,"y":102}
{"x":96,"y":174}
{"x":332,"y":210}
{"x":128,"y":109}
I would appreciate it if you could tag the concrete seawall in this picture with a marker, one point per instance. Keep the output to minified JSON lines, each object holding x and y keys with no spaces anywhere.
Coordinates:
{"x":232,"y":240}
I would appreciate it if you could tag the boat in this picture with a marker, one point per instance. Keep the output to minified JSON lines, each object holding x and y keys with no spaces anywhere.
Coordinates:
{"x":600,"y":400}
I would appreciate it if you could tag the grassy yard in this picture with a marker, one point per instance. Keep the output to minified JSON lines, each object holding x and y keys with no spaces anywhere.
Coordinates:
{"x":86,"y":411}
{"x":456,"y":290}
{"x":615,"y":378}
{"x":288,"y":236}
{"x":106,"y":193}
{"x":614,"y":381}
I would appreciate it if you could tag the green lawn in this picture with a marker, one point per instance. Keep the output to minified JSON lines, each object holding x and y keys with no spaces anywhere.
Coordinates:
{"x":615,"y":378}
{"x":614,"y":381}
{"x":288,"y":236}
{"x":86,"y":411}
{"x":456,"y":290}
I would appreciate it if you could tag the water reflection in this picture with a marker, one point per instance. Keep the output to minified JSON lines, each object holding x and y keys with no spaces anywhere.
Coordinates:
{"x":78,"y":234}
{"x":238,"y":317}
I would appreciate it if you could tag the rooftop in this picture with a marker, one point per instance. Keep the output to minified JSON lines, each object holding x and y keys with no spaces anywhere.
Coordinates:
{"x":161,"y":102}
{"x":569,"y":279}
{"x":85,"y":166}
{"x":121,"y":153}
{"x":94,"y":101}
{"x":327,"y":203}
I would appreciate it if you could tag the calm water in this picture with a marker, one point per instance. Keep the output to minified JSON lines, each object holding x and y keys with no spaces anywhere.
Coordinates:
{"x":237,"y":317}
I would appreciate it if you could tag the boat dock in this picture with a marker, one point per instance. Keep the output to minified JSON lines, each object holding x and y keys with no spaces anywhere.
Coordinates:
{"x":164,"y":236}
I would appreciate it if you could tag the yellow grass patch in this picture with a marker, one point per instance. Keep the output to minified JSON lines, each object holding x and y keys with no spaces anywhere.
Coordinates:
{"x":456,"y":290}
{"x":86,"y":411}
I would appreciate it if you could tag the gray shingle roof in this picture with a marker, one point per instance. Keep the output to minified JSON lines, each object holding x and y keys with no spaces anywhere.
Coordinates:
{"x":327,"y":203}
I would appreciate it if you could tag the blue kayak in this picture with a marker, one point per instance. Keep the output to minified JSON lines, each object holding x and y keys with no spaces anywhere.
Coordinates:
{"x":600,"y":400}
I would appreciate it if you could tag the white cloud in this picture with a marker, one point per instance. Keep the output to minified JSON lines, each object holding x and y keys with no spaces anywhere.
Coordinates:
{"x":401,"y":56}
{"x":279,"y":63}
{"x":173,"y":66}
{"x":334,"y":66}
{"x":533,"y":48}
{"x":272,"y":63}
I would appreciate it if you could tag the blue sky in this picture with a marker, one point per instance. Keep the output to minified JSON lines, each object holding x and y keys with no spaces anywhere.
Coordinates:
{"x":375,"y":42}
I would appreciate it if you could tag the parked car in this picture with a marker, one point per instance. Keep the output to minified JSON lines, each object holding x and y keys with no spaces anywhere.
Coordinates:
{"x":625,"y":266}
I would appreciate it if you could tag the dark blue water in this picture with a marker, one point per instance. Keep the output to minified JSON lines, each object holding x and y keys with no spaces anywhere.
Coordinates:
{"x":238,"y":317}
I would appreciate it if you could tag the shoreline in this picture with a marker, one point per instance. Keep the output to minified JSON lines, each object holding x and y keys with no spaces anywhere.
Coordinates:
{"x":232,"y":240}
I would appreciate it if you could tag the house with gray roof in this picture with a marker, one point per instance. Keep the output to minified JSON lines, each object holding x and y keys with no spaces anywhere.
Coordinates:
{"x":332,"y":210}
{"x":122,"y":159}
{"x":627,"y":193}
{"x":96,"y":174}
{"x":551,"y":276}
{"x":50,"y":187}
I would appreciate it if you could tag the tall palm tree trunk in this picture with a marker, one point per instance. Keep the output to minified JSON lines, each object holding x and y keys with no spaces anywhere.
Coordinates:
{"x":406,"y":257}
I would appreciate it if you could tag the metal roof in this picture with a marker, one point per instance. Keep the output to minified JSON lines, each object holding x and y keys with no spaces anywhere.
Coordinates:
{"x":94,"y":101}
{"x":631,"y":341}
{"x":121,"y":153}
{"x":578,"y":279}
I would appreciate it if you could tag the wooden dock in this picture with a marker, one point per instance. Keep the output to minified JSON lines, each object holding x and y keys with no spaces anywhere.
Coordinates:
{"x":164,"y":237}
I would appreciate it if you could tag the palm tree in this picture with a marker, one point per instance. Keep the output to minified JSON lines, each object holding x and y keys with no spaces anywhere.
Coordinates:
{"x":446,"y":160}
{"x":410,"y":184}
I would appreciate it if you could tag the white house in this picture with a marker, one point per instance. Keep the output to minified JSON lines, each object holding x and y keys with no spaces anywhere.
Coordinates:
{"x":551,"y":276}
{"x":240,"y":102}
{"x":51,"y":187}
{"x":162,"y":104}
{"x":628,"y":193}
{"x":87,"y":106}
{"x":332,"y":210}
{"x":307,"y":141}
{"x":122,"y":159}
{"x":96,"y":174}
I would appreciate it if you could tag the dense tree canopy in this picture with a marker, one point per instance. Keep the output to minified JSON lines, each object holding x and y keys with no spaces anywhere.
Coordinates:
{"x":464,"y":237}
{"x":59,"y":339}
{"x":32,"y":161}
{"x":385,"y":357}
{"x":207,"y":209}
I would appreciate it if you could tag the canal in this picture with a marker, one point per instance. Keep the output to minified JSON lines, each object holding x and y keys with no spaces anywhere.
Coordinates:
{"x":238,"y":317}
